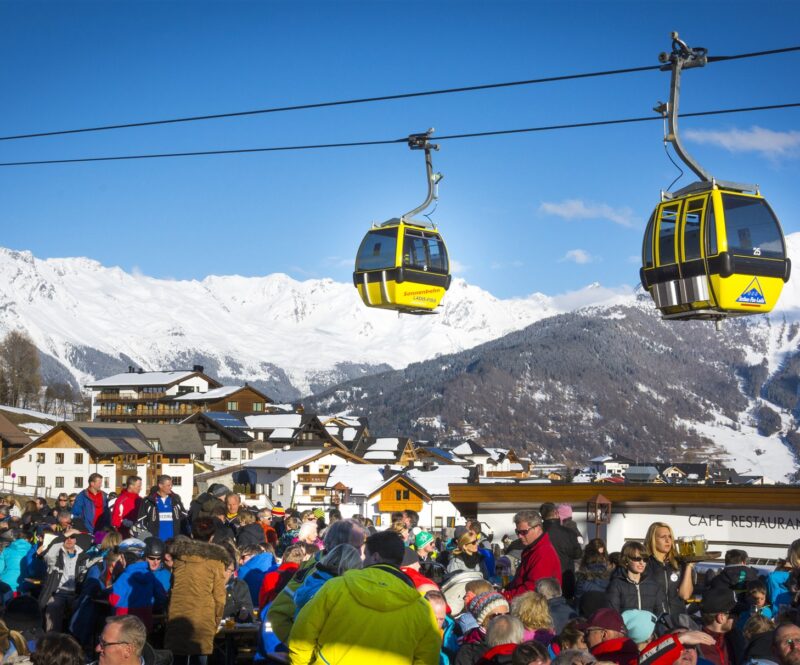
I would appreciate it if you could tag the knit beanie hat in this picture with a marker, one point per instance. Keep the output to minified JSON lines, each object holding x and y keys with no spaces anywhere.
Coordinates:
{"x":422,"y":539}
{"x":278,"y":511}
{"x":641,"y":624}
{"x":319,"y":513}
{"x":485,"y":604}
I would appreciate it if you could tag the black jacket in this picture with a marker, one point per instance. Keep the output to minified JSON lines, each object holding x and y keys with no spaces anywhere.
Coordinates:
{"x":624,"y":594}
{"x":202,"y":505}
{"x":565,"y":543}
{"x":669,"y":580}
{"x":238,"y":600}
{"x":734,"y":578}
{"x":53,"y":576}
{"x":250,"y":534}
{"x":148,"y":516}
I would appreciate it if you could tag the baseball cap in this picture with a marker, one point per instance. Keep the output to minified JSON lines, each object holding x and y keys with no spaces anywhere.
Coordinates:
{"x":719,"y":599}
{"x":607,"y":619}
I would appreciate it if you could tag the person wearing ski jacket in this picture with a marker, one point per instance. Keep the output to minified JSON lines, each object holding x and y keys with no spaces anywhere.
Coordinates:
{"x":539,"y":558}
{"x":161,"y":513}
{"x":385,"y":615}
{"x":126,"y":507}
{"x":91,"y":505}
{"x":631,"y":588}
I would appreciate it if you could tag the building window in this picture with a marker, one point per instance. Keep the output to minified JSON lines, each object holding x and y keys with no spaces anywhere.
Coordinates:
{"x":105,"y":483}
{"x":306,"y":468}
{"x":79,"y":459}
{"x":78,"y":481}
{"x":437,"y":522}
{"x":40,"y":458}
{"x":401,"y":495}
{"x":279,"y":489}
{"x":306,"y":489}
{"x":225,"y":455}
{"x":451,"y":522}
{"x":59,"y":458}
{"x":59,"y":482}
{"x":258,"y":406}
{"x":22,"y":481}
{"x":39,"y":481}
{"x":233,"y":406}
{"x":177,"y":481}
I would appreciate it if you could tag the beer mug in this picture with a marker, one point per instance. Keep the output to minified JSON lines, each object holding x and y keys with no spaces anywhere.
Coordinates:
{"x":699,"y":545}
{"x":687,"y":546}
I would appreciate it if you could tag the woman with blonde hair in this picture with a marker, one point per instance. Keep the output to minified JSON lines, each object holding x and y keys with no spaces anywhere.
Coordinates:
{"x":531,"y":608}
{"x":778,"y":589}
{"x":663,"y":565}
{"x":466,"y":556}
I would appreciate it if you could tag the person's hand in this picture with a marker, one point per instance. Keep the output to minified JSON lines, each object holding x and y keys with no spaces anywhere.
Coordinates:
{"x":694,"y":637}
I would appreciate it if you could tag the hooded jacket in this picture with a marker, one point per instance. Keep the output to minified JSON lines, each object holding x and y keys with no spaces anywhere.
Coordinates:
{"x":619,"y":650}
{"x":253,"y":572}
{"x":126,"y":509}
{"x":198,"y":596}
{"x":13,"y":568}
{"x":625,"y":594}
{"x":136,"y":591}
{"x":387,"y":621}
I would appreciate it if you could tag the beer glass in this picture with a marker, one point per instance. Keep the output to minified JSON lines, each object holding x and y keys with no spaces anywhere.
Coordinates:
{"x":687,"y":546}
{"x":699,"y":545}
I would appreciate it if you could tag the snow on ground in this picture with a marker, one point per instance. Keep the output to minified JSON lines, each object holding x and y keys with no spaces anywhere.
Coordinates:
{"x":739,"y":449}
{"x":33,"y":414}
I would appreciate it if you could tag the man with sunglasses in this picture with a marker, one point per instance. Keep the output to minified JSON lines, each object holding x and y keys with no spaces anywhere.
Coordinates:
{"x":64,"y":561}
{"x":539,"y":558}
{"x":786,"y":644}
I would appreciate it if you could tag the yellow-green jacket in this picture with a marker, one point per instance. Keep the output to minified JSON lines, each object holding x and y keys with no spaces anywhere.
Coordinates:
{"x":369,"y":616}
{"x":281,"y":612}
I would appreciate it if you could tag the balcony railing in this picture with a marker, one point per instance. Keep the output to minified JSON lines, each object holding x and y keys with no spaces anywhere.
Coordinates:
{"x":312,"y":477}
{"x":116,"y":397}
{"x":144,"y":412}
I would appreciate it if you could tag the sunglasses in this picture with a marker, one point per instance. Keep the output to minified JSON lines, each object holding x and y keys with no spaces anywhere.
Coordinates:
{"x":472,"y":542}
{"x":154,"y":558}
{"x":524,"y":532}
{"x":637,"y":559}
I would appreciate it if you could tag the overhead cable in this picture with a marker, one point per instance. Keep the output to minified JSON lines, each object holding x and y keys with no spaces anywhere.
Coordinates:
{"x":404,"y":140}
{"x":383,"y":98}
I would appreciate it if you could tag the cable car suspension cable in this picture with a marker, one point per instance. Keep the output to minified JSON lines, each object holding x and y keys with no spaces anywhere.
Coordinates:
{"x":358,"y":144}
{"x":383,"y":98}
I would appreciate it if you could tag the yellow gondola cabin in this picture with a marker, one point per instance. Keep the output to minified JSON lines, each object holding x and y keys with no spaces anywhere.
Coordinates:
{"x":711,"y":252}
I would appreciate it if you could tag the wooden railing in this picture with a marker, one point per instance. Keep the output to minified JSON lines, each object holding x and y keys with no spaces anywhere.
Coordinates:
{"x":312,"y":477}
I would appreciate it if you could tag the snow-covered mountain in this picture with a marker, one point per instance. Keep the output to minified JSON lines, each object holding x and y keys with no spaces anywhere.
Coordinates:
{"x":290,"y":337}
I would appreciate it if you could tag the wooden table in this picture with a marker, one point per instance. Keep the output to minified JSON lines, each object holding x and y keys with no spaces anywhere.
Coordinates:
{"x":248,"y":630}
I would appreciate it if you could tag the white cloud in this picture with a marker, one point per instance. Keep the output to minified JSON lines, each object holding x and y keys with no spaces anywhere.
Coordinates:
{"x":580,"y":256}
{"x":458,"y":268}
{"x":766,"y":142}
{"x":578,"y":209}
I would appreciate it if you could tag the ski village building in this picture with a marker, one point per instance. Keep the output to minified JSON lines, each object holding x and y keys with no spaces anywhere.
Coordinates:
{"x":189,"y":426}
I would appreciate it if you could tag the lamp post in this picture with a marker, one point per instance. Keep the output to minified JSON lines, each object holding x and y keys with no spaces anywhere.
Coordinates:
{"x":598,"y":510}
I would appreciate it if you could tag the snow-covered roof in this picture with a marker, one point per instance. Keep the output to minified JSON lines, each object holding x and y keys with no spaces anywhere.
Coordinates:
{"x":469,"y":448}
{"x":141,"y":379}
{"x":281,"y":433}
{"x":496,"y":453}
{"x":360,"y":478}
{"x":345,"y":433}
{"x":435,"y":482}
{"x":274,"y":420}
{"x":216,"y":393}
{"x":391,"y":444}
{"x":282,"y":459}
{"x":601,"y":458}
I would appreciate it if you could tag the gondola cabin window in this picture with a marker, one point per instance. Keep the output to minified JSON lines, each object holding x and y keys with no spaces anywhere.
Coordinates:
{"x":377,"y":251}
{"x":666,"y":234}
{"x":648,"y":243}
{"x":751,"y":227}
{"x":423,"y":253}
{"x":691,"y":229}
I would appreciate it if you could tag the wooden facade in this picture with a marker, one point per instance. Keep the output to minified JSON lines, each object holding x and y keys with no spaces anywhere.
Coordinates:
{"x":400,"y":495}
{"x":245,"y":400}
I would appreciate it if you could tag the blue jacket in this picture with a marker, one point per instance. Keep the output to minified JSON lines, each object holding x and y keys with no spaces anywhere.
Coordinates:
{"x":137,"y":588}
{"x":13,"y":563}
{"x":84,"y":618}
{"x":83,"y":509}
{"x":778,"y":588}
{"x":253,"y":573}
{"x":309,"y":587}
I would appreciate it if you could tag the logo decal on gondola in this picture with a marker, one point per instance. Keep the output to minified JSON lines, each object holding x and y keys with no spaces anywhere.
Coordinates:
{"x":752,"y":294}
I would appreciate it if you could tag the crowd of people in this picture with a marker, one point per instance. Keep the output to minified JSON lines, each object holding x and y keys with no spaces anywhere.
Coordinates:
{"x":139,"y":579}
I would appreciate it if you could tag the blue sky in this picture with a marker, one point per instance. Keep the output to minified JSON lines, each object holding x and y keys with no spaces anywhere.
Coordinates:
{"x":547,"y":212}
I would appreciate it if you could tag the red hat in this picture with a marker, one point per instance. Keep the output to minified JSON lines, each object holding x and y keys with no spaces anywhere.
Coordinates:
{"x":607,"y":619}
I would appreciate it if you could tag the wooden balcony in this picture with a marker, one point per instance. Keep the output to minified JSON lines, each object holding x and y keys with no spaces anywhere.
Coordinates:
{"x":312,"y":477}
{"x":140,"y":397}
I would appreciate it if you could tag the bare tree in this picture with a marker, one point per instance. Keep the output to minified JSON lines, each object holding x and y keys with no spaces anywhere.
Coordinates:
{"x":20,"y":360}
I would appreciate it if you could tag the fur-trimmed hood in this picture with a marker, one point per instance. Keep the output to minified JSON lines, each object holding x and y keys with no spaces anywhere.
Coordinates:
{"x":184,"y":547}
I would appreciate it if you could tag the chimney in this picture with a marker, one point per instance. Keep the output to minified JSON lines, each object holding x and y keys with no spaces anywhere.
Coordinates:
{"x":198,"y":368}
{"x":140,"y":371}
{"x":131,"y":369}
